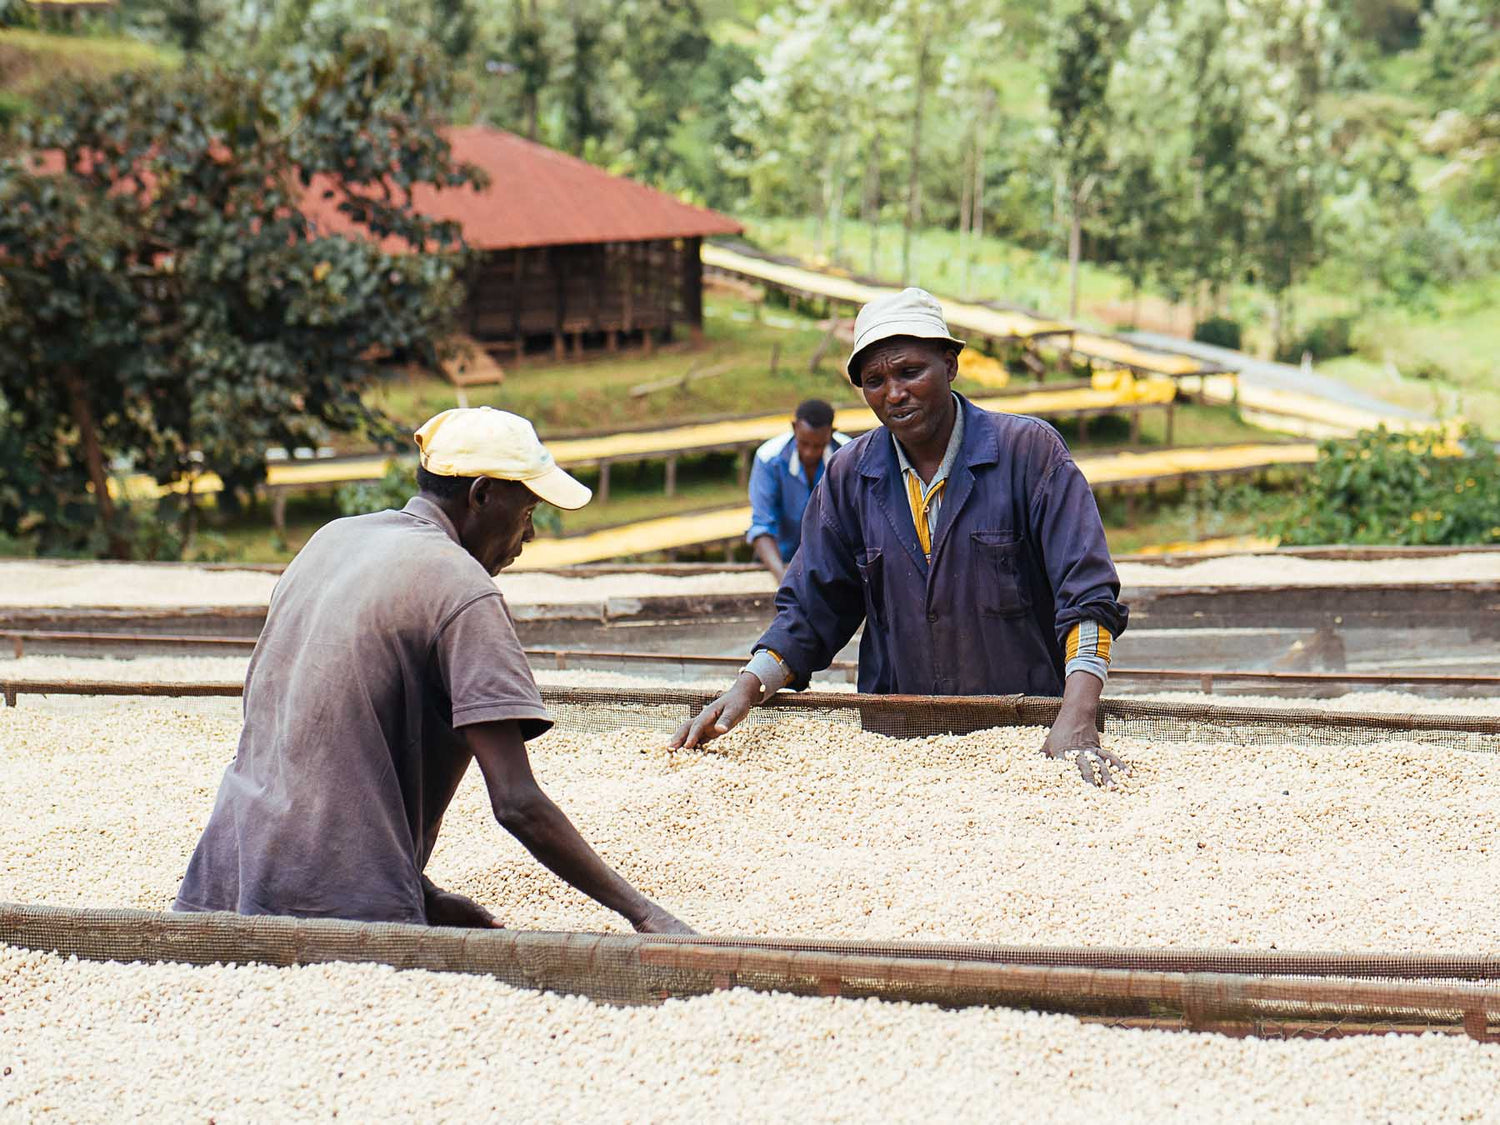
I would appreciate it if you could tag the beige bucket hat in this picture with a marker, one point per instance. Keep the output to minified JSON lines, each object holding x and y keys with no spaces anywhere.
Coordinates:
{"x":911,"y":312}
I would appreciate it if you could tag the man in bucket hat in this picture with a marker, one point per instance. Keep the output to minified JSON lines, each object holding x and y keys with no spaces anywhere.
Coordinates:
{"x":966,"y":543}
{"x":387,"y":663}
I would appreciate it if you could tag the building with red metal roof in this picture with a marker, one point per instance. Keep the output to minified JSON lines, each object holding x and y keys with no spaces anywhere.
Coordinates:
{"x":570,"y":256}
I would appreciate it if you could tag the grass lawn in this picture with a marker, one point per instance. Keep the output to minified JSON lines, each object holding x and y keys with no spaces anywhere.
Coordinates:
{"x":594,"y":396}
{"x":1446,"y":355}
{"x":32,"y":60}
{"x":1001,"y":271}
{"x":1445,"y":360}
{"x":1170,"y":523}
{"x":1194,"y":425}
{"x":247,"y":536}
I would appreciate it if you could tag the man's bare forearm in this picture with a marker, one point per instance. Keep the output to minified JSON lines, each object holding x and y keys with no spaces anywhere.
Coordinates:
{"x":769,"y":555}
{"x":546,"y":832}
{"x":1082,"y":690}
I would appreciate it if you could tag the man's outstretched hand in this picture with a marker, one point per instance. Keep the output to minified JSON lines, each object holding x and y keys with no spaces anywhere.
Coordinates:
{"x":1074,"y":736}
{"x":1094,"y":762}
{"x":449,"y":908}
{"x":720,"y":716}
{"x":660,"y":921}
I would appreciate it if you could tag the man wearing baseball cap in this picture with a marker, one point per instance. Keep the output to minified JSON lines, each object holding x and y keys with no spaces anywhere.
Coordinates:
{"x":388,"y":661}
{"x":966,"y":543}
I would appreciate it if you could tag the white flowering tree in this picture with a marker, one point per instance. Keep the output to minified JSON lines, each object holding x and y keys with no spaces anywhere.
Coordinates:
{"x":793,"y":117}
{"x":1286,"y":53}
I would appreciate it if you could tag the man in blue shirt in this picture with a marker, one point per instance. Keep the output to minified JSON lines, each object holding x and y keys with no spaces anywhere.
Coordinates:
{"x":786,"y":470}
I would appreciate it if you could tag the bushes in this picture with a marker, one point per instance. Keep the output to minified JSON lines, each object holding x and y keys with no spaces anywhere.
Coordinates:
{"x":1405,"y":489}
{"x":1219,"y":331}
{"x":1328,"y":338}
{"x":400,"y":484}
{"x":391,"y":491}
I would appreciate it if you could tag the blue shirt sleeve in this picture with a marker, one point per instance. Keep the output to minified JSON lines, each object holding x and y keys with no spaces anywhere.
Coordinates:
{"x":821,"y":601}
{"x":765,"y":500}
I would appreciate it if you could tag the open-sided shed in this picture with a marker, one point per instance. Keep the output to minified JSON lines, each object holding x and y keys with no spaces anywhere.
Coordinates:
{"x":569,"y":256}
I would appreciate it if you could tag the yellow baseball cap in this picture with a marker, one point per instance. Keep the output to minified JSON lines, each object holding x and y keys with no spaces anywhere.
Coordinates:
{"x":485,"y":442}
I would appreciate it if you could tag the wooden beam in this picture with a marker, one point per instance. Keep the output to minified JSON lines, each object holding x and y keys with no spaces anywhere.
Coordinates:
{"x":518,"y":272}
{"x":692,"y":287}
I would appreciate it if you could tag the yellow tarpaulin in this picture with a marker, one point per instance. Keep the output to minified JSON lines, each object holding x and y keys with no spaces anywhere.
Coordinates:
{"x":1111,"y":393}
{"x":975,"y":320}
{"x":673,"y":532}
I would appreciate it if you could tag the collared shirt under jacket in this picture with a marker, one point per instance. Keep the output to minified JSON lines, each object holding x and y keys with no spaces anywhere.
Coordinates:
{"x":1018,"y":558}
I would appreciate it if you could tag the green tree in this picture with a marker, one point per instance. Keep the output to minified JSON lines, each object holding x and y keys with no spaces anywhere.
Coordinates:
{"x":527,"y":52}
{"x":1461,"y":41}
{"x":675,"y":82}
{"x":793,"y":117}
{"x":1289,"y":53}
{"x":166,"y":302}
{"x":586,"y":62}
{"x":1087,"y":38}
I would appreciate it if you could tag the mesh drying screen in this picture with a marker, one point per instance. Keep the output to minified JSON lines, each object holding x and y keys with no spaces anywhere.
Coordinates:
{"x":909,"y":716}
{"x":602,"y":710}
{"x":1119,"y":985}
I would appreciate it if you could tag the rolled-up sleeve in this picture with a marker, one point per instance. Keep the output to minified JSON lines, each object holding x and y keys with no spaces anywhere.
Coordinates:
{"x":821,"y":600}
{"x":765,"y":501}
{"x":1065,"y":522}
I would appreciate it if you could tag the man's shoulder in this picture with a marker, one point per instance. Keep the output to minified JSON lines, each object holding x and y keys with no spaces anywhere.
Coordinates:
{"x":391,"y":553}
{"x":849,"y":455}
{"x":1021,"y":434}
{"x":772,"y":449}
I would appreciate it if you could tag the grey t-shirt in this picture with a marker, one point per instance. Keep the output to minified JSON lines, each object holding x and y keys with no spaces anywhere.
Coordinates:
{"x":384,"y":637}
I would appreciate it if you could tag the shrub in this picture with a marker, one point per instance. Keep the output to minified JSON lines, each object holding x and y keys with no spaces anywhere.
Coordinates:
{"x":1219,"y":331}
{"x":1328,"y":338}
{"x":391,"y":491}
{"x":400,"y":484}
{"x":1391,"y":488}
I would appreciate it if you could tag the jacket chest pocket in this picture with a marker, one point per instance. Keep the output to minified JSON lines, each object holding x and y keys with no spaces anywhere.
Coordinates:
{"x":1002,"y":587}
{"x":872,"y":573}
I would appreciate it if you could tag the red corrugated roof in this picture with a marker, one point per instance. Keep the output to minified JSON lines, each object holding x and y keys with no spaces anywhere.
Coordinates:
{"x":540,"y":197}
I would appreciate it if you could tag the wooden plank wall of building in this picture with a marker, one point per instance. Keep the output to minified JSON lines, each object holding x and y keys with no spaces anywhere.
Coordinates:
{"x":552,"y":297}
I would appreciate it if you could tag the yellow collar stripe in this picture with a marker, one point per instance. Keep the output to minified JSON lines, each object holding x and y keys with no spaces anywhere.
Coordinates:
{"x":920,"y":505}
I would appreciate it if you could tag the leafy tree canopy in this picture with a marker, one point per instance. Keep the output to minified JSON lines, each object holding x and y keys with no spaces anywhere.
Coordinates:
{"x":164,"y":302}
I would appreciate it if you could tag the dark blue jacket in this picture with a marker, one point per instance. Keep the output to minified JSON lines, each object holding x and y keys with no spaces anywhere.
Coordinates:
{"x":1019,"y":558}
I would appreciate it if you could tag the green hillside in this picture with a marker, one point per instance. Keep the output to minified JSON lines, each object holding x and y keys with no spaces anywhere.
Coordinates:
{"x":31,"y":60}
